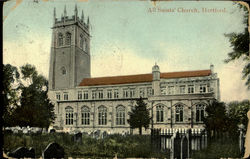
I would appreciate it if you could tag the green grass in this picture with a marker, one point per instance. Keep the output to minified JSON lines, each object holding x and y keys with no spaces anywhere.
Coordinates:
{"x":124,"y":146}
{"x":219,"y":149}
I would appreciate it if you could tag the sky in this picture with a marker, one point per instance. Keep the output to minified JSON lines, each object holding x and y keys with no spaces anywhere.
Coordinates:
{"x":128,"y":37}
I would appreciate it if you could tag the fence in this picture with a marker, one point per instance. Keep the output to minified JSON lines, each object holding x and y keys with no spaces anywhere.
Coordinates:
{"x":180,"y":142}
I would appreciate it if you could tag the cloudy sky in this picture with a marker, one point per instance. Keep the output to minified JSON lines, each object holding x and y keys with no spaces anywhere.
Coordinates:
{"x":128,"y":37}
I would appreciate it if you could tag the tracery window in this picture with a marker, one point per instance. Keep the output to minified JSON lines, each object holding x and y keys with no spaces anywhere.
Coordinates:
{"x":69,"y":115}
{"x":68,"y":38}
{"x":160,"y":113}
{"x":102,"y":115}
{"x":85,"y":115}
{"x":60,"y":39}
{"x":120,"y":115}
{"x":179,"y":113}
{"x":200,"y":112}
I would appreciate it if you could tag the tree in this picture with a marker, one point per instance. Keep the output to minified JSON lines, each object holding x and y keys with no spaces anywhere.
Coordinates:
{"x":217,"y":121}
{"x":237,"y":111}
{"x":240,"y":44}
{"x":9,"y":92}
{"x":139,"y":116}
{"x":33,"y":108}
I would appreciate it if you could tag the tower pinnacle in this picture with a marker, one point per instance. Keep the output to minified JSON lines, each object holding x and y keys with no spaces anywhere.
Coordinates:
{"x":65,"y":11}
{"x":76,"y":12}
{"x":82,"y":18}
{"x":88,"y":21}
{"x":54,"y":15}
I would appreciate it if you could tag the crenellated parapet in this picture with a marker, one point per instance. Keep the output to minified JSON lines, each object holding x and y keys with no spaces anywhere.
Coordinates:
{"x":69,"y":20}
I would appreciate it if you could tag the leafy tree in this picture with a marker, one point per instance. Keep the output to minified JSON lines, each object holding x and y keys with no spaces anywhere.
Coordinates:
{"x":139,"y":116}
{"x":217,"y":121}
{"x":9,"y":92}
{"x":237,"y":111}
{"x":33,"y":107}
{"x":240,"y":45}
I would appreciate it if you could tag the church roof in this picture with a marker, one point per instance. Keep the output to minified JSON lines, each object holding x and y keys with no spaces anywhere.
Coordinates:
{"x":140,"y":78}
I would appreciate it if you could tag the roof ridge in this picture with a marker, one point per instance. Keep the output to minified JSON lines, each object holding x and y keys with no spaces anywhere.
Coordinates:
{"x":147,"y":74}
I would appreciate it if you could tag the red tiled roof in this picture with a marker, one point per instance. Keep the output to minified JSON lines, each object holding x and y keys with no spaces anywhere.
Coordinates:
{"x":140,"y":78}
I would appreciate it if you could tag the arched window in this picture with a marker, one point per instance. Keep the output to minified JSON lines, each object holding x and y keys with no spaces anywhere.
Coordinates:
{"x":159,"y":113}
{"x":102,"y":115}
{"x":69,"y":115}
{"x":85,"y":46}
{"x":200,"y":112}
{"x":81,"y":41}
{"x":120,"y":115}
{"x":68,"y":38}
{"x":179,"y":113}
{"x":60,"y":39}
{"x":85,"y":115}
{"x":63,"y":71}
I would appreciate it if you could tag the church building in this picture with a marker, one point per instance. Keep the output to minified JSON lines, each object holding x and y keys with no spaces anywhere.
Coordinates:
{"x":87,"y":104}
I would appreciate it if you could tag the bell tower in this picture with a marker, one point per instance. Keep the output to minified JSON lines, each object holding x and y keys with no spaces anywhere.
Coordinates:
{"x":70,"y":51}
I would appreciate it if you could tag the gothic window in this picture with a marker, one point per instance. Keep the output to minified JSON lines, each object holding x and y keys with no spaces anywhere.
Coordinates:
{"x":79,"y":95}
{"x":116,"y":93}
{"x":132,"y":93}
{"x":100,"y":94}
{"x":69,"y":115}
{"x":85,"y":115}
{"x":179,"y":113}
{"x":200,"y":112}
{"x":93,"y":94}
{"x":149,"y":91}
{"x":203,"y":88}
{"x":58,"y":96}
{"x":63,"y":71}
{"x":142,"y":92}
{"x":102,"y":115}
{"x":81,"y":41}
{"x":191,"y":89}
{"x":120,"y":115}
{"x":68,"y":38}
{"x":60,"y":39}
{"x":85,"y":95}
{"x":109,"y":94}
{"x":65,"y":96}
{"x":125,"y":93}
{"x":160,"y":113}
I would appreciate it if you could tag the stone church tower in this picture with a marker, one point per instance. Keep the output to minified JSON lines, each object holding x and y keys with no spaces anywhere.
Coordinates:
{"x":70,"y":51}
